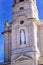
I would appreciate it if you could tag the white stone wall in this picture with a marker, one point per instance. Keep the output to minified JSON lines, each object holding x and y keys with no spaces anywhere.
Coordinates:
{"x":10,"y":47}
{"x":6,"y":47}
{"x":27,"y":62}
{"x":33,"y":32}
{"x":40,"y":39}
{"x":28,"y":26}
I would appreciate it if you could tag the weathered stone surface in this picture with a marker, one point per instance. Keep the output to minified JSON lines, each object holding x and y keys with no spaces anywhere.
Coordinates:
{"x":24,"y":54}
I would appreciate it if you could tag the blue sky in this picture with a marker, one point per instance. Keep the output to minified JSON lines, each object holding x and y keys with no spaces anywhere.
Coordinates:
{"x":6,"y":13}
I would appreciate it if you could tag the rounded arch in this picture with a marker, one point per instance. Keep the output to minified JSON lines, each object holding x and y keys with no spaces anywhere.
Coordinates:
{"x":20,"y":18}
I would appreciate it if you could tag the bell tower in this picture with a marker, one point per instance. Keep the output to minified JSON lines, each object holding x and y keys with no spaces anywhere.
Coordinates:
{"x":24,"y":33}
{"x":25,"y":8}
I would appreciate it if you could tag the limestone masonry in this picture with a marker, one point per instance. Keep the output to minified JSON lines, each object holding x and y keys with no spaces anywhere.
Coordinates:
{"x":23,"y":37}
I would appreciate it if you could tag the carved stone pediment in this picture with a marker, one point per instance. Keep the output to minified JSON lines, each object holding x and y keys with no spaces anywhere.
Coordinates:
{"x":22,"y":57}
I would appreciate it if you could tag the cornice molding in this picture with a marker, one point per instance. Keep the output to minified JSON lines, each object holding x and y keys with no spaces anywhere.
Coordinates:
{"x":8,"y":31}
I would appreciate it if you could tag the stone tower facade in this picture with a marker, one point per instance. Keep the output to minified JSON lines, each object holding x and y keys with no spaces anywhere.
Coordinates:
{"x":24,"y":33}
{"x":23,"y":42}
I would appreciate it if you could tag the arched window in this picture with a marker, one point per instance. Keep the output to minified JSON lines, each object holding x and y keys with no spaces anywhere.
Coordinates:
{"x":21,"y":8}
{"x":21,"y":0}
{"x":22,"y":37}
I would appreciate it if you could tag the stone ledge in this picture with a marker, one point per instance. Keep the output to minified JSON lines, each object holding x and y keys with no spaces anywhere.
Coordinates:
{"x":6,"y":31}
{"x":19,"y":51}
